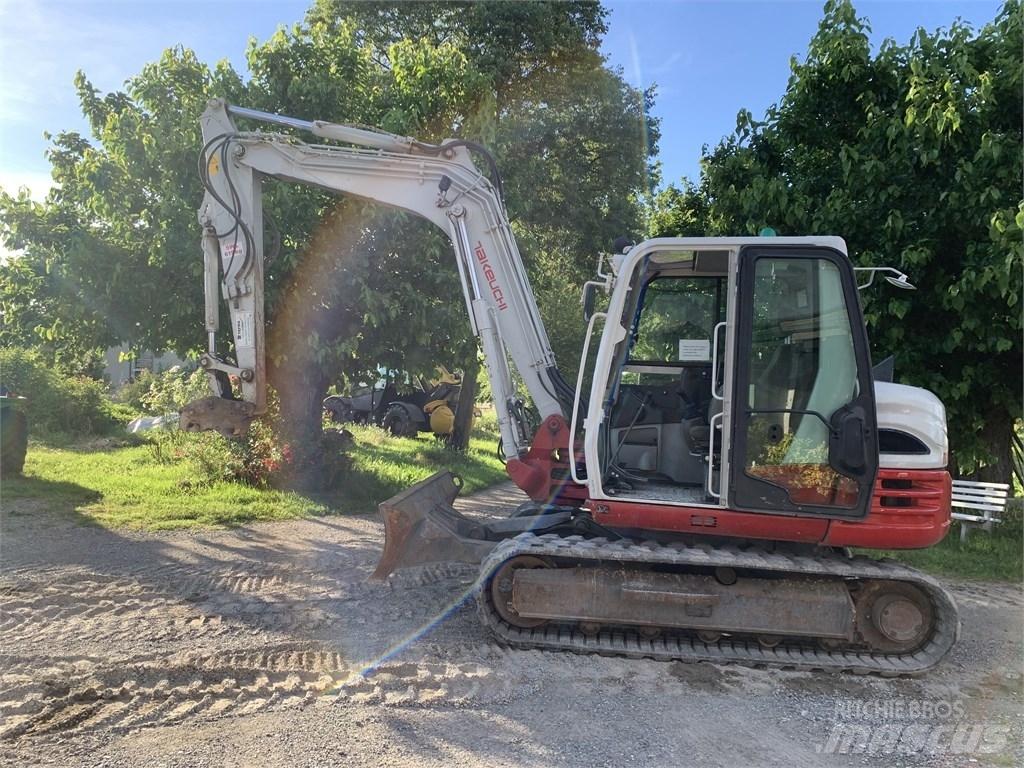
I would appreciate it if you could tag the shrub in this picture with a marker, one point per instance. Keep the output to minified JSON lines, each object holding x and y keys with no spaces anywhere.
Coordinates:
{"x":57,"y":404}
{"x":256,"y":459}
{"x":161,"y":393}
{"x":259,"y":458}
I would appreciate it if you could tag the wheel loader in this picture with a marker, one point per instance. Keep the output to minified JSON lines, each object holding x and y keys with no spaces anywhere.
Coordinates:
{"x":699,"y":500}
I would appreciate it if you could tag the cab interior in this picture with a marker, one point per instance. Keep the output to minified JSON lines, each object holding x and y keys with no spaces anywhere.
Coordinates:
{"x":659,"y":409}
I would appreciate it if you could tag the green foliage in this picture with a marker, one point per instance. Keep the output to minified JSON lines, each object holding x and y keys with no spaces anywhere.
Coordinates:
{"x":165,"y":392}
{"x":256,"y":460}
{"x":912,"y":154}
{"x":112,"y":256}
{"x":126,"y":487}
{"x":57,"y":404}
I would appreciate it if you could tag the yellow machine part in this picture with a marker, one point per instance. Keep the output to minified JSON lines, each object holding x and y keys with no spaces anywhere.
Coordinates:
{"x":442,"y":418}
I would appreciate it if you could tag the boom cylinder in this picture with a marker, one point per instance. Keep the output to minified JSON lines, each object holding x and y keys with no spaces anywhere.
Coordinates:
{"x":211,"y":282}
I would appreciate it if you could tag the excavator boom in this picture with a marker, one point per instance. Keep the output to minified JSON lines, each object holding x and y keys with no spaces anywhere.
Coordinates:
{"x":437,"y":182}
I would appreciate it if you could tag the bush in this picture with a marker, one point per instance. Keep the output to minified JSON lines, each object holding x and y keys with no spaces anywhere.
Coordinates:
{"x":260,"y":458}
{"x":57,"y":404}
{"x":254,"y":460}
{"x":160,"y":393}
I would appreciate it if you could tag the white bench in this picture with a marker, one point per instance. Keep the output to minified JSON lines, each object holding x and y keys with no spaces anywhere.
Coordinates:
{"x":983,"y":500}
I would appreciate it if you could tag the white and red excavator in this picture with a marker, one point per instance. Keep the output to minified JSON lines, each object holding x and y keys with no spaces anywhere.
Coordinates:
{"x":700,"y":500}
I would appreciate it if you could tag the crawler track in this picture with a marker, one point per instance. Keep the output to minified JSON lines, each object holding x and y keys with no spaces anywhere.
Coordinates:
{"x":575,"y":550}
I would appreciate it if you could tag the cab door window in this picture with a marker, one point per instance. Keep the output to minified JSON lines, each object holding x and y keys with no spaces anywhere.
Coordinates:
{"x":802,"y":370}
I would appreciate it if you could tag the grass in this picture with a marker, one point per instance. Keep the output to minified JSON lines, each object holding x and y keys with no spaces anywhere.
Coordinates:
{"x":996,"y":556}
{"x":125,"y":487}
{"x":383,"y":465}
{"x":114,"y":484}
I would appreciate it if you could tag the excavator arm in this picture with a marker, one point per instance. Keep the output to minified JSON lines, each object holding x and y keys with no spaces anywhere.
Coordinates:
{"x":438,"y":182}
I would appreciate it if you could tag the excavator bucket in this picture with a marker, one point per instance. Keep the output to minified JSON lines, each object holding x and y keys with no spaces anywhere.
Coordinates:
{"x":229,"y":417}
{"x":421,"y":526}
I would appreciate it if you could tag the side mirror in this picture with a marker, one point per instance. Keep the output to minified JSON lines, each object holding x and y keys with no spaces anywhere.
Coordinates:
{"x":588,"y":300}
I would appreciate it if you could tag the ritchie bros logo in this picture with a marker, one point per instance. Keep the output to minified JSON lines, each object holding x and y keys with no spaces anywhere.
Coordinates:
{"x":492,"y":279}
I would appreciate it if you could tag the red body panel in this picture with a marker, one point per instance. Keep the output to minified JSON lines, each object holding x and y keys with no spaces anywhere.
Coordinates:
{"x":708,"y":521}
{"x":910,"y":508}
{"x":543,"y":473}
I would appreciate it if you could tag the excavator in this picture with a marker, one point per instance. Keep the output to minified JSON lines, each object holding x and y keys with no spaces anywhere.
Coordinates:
{"x":699,"y":499}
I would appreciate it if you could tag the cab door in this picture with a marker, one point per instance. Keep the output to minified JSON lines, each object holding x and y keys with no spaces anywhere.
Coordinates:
{"x":803,"y":434}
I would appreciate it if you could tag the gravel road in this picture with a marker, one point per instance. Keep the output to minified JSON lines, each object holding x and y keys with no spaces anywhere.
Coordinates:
{"x":266,"y":645}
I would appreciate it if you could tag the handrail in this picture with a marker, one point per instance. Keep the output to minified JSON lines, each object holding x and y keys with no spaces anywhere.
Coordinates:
{"x":711,"y":455}
{"x":579,"y":392}
{"x":714,"y":360}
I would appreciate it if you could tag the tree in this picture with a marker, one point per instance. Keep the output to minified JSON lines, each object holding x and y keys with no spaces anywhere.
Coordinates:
{"x":913,"y":156}
{"x":109,"y":257}
{"x":352,"y":287}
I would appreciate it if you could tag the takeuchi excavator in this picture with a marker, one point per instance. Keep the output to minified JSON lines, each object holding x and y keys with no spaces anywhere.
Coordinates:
{"x":699,"y":501}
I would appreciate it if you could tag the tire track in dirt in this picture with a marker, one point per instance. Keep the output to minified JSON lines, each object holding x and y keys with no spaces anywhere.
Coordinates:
{"x":163,"y":619}
{"x":83,"y":608}
{"x":166,"y":690}
{"x":94,"y":607}
{"x":428,"y":684}
{"x":1009,"y":595}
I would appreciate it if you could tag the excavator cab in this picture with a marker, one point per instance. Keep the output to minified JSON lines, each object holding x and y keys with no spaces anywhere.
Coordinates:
{"x":740,"y":360}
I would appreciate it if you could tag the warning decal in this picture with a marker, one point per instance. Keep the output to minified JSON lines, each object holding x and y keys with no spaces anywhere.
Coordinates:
{"x":243,"y":329}
{"x":231,"y":250}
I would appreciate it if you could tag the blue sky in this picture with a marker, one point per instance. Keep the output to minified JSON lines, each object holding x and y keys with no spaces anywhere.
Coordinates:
{"x":709,"y":59}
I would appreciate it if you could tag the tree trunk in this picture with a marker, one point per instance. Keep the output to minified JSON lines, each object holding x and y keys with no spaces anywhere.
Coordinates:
{"x":996,"y":438}
{"x":301,"y":405}
{"x":466,"y":407}
{"x":300,"y":390}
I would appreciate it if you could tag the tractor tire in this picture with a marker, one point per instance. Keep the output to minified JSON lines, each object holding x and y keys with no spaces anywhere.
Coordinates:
{"x":13,"y":442}
{"x":342,"y":414}
{"x":398,"y":423}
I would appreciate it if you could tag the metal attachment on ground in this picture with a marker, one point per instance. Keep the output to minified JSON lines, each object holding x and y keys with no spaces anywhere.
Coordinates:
{"x":229,"y":417}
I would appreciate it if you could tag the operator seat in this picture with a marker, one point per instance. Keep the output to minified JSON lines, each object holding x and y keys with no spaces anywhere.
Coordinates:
{"x":698,"y":407}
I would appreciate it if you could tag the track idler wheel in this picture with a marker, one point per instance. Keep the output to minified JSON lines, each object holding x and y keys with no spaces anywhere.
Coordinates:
{"x":893,"y":617}
{"x":501,"y":590}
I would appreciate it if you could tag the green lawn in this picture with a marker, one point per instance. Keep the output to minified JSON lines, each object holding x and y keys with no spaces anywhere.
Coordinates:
{"x":125,"y":486}
{"x":995,"y":556}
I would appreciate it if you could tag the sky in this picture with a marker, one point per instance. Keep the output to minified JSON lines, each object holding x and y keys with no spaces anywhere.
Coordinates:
{"x":707,"y":58}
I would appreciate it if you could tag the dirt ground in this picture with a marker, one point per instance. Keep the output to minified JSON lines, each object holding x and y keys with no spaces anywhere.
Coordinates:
{"x":267,"y":646}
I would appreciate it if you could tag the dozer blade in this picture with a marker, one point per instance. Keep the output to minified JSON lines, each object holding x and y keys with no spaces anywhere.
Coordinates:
{"x":229,"y":417}
{"x":421,"y":526}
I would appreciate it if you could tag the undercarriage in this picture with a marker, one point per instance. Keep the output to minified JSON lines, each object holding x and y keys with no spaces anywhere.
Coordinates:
{"x":557,"y":581}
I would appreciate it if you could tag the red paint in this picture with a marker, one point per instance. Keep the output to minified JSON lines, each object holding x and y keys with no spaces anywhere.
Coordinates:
{"x":708,"y":521}
{"x":543,"y":472}
{"x":900,"y":518}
